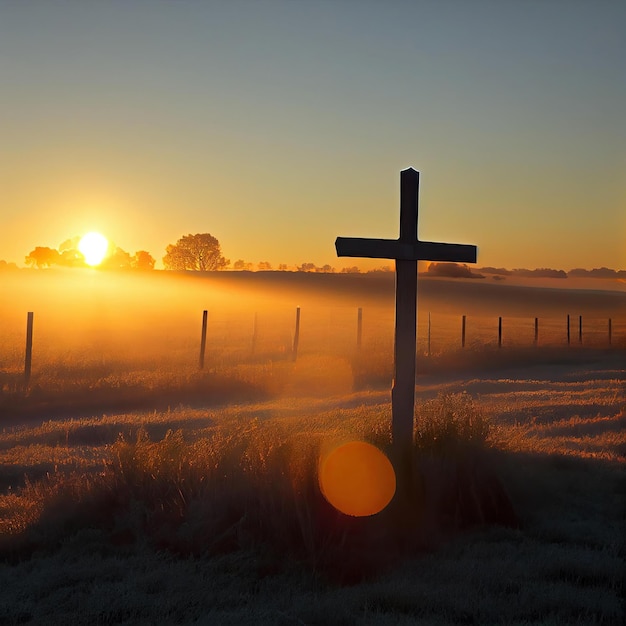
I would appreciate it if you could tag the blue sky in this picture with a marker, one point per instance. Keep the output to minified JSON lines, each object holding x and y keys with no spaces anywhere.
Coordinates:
{"x":277,"y":126}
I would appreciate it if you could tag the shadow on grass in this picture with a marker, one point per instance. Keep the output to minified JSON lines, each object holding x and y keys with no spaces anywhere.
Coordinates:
{"x":485,"y":359}
{"x":254,"y":491}
{"x":580,"y":427}
{"x":72,"y":433}
{"x":200,"y":390}
{"x":376,"y":371}
{"x":567,"y":499}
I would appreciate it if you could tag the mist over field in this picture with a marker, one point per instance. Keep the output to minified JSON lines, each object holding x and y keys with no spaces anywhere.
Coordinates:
{"x":156,"y":315}
{"x":185,"y":495}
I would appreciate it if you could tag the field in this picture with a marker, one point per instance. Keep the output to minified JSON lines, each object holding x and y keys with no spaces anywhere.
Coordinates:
{"x":136,"y":489}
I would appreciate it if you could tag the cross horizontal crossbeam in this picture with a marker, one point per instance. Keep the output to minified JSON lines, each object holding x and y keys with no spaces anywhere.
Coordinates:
{"x":397,"y":249}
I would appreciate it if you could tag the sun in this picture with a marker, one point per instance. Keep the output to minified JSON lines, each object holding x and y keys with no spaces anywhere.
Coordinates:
{"x":93,"y":246}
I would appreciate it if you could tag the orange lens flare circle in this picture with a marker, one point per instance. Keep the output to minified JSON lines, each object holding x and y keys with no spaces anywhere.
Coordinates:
{"x":357,"y":479}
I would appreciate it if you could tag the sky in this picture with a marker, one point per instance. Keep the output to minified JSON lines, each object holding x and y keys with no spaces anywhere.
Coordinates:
{"x":277,"y":126}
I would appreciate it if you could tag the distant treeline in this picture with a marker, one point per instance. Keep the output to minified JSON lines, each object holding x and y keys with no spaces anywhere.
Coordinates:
{"x":455,"y":270}
{"x":201,"y":252}
{"x":441,"y":270}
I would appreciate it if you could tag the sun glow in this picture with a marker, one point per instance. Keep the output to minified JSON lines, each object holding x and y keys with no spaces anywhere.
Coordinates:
{"x":357,"y":479}
{"x":93,"y":246}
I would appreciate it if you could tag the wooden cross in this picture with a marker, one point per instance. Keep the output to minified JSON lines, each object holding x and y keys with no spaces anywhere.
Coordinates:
{"x":407,"y":250}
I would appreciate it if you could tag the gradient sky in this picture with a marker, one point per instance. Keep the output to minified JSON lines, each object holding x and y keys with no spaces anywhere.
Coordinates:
{"x":277,"y":126}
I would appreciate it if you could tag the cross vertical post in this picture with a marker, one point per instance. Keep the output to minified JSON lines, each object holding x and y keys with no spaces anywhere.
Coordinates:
{"x":407,"y":250}
{"x":403,"y":390}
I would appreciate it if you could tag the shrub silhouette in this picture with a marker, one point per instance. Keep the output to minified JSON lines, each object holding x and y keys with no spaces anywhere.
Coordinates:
{"x":452,"y":270}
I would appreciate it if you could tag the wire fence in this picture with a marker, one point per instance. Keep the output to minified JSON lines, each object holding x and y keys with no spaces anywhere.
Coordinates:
{"x":219,"y":337}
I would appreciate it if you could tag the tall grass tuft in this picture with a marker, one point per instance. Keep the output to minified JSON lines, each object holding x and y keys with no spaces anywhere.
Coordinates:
{"x":241,"y":491}
{"x":460,"y":483}
{"x":451,"y":423}
{"x":255,"y":488}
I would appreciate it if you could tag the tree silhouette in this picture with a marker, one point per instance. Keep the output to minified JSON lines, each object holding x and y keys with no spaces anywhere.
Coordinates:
{"x":541,"y":272}
{"x":70,"y":244}
{"x":143,"y":260}
{"x":241,"y":265}
{"x":68,"y":255}
{"x":307,"y":267}
{"x":118,"y":260}
{"x":597,"y":272}
{"x":199,"y":252}
{"x":71,"y":258}
{"x":452,"y":270}
{"x":42,"y":256}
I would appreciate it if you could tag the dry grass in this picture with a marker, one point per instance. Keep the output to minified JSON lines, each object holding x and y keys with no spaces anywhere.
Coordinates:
{"x":135,"y":489}
{"x":215,"y":515}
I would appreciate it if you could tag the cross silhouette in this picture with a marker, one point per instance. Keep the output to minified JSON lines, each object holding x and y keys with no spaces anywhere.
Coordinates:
{"x":407,"y":250}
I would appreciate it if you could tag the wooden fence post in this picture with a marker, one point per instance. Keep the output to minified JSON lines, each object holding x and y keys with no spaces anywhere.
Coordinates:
{"x":536,"y":330}
{"x":296,"y":336}
{"x":359,"y":328}
{"x":29,"y":347}
{"x":428,"y":333}
{"x":254,"y":333}
{"x":463,"y":333}
{"x":568,"y":329}
{"x":499,"y":332}
{"x":610,"y":331}
{"x":580,"y":329}
{"x":203,"y":338}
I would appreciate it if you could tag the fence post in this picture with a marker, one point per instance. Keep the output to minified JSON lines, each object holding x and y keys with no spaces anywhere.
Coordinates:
{"x":580,"y":329}
{"x":568,"y":329}
{"x":463,"y":333}
{"x":203,"y":338}
{"x":499,"y":332}
{"x":254,"y":333}
{"x":29,"y":347}
{"x":536,"y":330}
{"x":428,"y":333}
{"x":359,"y":328}
{"x":610,"y":331}
{"x":296,"y":336}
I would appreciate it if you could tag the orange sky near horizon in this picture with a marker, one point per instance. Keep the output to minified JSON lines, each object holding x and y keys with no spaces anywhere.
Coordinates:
{"x":277,"y":127}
